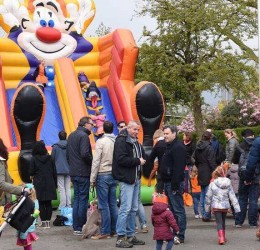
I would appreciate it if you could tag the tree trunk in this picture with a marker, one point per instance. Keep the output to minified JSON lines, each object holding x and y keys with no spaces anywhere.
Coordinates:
{"x":197,"y":113}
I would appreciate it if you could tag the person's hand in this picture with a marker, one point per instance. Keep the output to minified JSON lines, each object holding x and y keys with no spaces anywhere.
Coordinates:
{"x":26,"y":190}
{"x":247,"y":183}
{"x":149,"y":183}
{"x":92,"y":184}
{"x":142,"y":161}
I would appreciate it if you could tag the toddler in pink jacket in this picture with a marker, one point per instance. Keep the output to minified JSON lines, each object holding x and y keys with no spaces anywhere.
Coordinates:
{"x":163,"y":220}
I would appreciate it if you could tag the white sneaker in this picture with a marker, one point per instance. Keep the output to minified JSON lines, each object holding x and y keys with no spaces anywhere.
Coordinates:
{"x":176,"y":240}
{"x":197,"y":216}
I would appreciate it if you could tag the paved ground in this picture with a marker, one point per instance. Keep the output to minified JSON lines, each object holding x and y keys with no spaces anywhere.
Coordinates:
{"x":199,"y":235}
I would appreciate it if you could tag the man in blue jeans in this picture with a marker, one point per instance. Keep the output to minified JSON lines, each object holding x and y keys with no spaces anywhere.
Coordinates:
{"x":79,"y":154}
{"x":128,"y":158}
{"x":101,"y":177}
{"x":249,"y":182}
{"x":172,"y":173}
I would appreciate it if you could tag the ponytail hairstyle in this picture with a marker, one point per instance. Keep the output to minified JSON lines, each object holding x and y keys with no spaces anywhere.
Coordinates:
{"x":220,"y":171}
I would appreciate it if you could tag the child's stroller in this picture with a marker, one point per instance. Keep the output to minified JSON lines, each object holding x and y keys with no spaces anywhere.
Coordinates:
{"x":20,"y":214}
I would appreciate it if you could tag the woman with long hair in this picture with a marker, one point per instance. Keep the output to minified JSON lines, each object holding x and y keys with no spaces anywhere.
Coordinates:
{"x":6,"y":186}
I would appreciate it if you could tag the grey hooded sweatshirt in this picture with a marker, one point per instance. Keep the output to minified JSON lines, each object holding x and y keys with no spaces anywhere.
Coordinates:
{"x":58,"y":154}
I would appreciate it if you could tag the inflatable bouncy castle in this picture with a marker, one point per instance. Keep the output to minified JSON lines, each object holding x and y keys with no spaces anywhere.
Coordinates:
{"x":53,"y":31}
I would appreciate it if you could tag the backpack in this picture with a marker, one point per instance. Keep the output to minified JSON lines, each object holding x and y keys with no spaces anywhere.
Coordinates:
{"x":242,"y":161}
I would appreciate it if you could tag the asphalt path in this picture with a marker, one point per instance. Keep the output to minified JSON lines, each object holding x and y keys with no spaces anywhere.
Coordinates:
{"x":199,"y":235}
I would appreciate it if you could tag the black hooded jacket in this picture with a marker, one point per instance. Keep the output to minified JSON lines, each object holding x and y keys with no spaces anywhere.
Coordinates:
{"x":245,"y":145}
{"x":125,"y":165}
{"x":205,"y":161}
{"x":43,"y":171}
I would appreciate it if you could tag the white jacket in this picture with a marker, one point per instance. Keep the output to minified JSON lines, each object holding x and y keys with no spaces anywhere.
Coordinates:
{"x":219,"y":193}
{"x":103,"y":156}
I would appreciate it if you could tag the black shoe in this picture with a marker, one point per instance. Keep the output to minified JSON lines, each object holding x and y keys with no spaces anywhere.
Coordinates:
{"x":208,"y":220}
{"x":181,"y":241}
{"x":135,"y":241}
{"x":123,"y":243}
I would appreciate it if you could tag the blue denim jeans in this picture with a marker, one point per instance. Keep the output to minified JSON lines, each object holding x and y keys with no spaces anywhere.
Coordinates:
{"x":205,"y":215}
{"x":196,"y":201}
{"x":159,"y":244}
{"x":247,"y":198}
{"x":141,"y":212}
{"x":107,"y":205}
{"x":125,"y":225}
{"x":177,"y":206}
{"x":80,"y":203}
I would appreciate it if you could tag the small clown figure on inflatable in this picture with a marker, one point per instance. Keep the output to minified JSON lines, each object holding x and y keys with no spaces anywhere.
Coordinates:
{"x":40,"y":75}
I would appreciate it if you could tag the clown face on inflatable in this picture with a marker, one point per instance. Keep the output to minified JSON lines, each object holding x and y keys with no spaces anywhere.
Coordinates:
{"x":47,"y":29}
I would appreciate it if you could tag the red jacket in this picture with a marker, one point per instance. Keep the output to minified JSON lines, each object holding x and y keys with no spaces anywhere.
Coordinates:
{"x":163,"y":220}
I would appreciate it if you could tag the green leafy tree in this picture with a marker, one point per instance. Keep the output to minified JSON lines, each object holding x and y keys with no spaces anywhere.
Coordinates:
{"x":191,"y":50}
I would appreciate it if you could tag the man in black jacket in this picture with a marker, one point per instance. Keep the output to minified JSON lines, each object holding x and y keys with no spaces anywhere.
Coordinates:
{"x":247,"y":193}
{"x":128,"y":158}
{"x":172,"y":173}
{"x":79,"y":154}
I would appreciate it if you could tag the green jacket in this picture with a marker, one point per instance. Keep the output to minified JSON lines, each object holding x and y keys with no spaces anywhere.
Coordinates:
{"x":6,"y":186}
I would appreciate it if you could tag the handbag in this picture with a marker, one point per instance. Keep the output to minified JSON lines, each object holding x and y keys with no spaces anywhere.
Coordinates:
{"x":187,"y":198}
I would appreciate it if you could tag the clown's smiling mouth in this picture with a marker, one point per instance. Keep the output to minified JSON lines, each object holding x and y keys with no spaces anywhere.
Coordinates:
{"x":48,"y":52}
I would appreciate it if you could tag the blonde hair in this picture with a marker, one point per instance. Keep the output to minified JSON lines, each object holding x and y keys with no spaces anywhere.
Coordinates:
{"x":220,"y":171}
{"x":158,"y":133}
{"x":232,"y":132}
{"x":194,"y":172}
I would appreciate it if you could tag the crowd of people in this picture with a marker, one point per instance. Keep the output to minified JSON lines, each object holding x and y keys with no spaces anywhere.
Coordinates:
{"x":219,"y":181}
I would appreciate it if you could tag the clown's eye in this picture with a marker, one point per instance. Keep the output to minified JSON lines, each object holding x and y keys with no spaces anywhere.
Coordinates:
{"x":43,"y":23}
{"x":51,"y":23}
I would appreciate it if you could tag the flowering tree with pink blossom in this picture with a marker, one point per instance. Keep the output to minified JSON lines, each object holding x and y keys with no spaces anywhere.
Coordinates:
{"x":250,"y":109}
{"x":187,"y":124}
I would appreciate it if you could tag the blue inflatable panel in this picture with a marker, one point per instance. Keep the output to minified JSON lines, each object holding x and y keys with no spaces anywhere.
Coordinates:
{"x":52,"y":123}
{"x":107,"y":108}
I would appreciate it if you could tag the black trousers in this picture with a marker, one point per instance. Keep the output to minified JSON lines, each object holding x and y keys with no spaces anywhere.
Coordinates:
{"x":45,"y":208}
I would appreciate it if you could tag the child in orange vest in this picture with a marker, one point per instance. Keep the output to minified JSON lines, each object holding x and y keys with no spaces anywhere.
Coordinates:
{"x":195,"y":190}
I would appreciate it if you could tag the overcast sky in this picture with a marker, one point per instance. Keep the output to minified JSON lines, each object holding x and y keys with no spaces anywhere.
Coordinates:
{"x":119,"y":14}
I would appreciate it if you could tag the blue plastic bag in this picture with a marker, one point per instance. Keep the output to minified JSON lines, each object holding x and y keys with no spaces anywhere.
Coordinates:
{"x":67,"y":212}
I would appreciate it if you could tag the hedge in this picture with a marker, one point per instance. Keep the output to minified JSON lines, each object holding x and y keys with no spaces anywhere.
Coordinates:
{"x":221,"y":136}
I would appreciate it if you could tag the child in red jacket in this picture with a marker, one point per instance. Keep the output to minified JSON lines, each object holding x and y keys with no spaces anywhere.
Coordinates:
{"x":163,"y":220}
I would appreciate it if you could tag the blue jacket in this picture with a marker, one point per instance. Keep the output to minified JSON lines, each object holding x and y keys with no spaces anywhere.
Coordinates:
{"x":253,"y":163}
{"x":59,"y":156}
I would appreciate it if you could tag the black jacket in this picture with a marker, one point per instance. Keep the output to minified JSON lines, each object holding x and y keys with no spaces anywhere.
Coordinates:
{"x":158,"y":151}
{"x":173,"y":163}
{"x":43,"y":171}
{"x":124,"y":166}
{"x":79,"y":152}
{"x":190,"y":148}
{"x":205,"y":161}
{"x":245,"y":145}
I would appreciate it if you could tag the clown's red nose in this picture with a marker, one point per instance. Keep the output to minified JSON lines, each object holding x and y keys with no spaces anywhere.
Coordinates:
{"x":48,"y":34}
